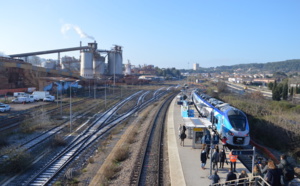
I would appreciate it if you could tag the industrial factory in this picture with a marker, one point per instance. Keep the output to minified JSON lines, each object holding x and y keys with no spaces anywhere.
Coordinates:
{"x":92,"y":61}
{"x":94,"y":65}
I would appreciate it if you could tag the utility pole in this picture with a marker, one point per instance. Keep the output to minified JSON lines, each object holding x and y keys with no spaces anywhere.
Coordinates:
{"x":94,"y":89}
{"x":105,"y":95}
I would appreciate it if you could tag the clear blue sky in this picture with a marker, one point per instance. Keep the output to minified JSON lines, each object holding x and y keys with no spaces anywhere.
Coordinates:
{"x":165,"y":33}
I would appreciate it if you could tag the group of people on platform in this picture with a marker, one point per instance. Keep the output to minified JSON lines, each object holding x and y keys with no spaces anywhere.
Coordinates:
{"x":275,"y":175}
{"x":218,"y":157}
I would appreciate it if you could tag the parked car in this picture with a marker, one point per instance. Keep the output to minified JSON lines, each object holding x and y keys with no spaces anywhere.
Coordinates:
{"x":4,"y":108}
{"x":19,"y":100}
{"x":49,"y":98}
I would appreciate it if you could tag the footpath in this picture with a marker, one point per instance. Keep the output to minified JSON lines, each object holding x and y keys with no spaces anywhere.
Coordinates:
{"x":184,"y":161}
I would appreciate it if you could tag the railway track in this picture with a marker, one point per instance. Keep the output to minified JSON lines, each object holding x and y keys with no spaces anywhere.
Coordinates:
{"x":148,"y":168}
{"x":14,"y":120}
{"x":95,"y":130}
{"x":100,"y":127}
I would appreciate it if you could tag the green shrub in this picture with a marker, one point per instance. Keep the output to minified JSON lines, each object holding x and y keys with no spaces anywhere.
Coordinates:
{"x":296,"y":109}
{"x":16,"y":160}
{"x":284,"y":105}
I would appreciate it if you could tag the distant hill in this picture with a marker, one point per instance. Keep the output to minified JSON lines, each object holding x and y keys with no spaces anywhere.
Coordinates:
{"x":288,"y":67}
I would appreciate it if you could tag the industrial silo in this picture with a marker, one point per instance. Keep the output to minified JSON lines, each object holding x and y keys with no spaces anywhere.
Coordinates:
{"x":99,"y":65}
{"x":119,"y":62}
{"x":115,"y":61}
{"x":111,"y":63}
{"x":128,"y":68}
{"x":86,"y":68}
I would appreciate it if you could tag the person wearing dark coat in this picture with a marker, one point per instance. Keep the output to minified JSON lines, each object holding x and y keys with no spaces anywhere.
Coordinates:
{"x":184,"y":128}
{"x":222,"y":158}
{"x":203,"y":158}
{"x":207,"y":149}
{"x":215,"y":159}
{"x":273,"y":174}
{"x":182,"y":137}
{"x":282,"y":165}
{"x":242,"y":179}
{"x":231,"y":177}
{"x":215,"y":178}
{"x":256,"y":173}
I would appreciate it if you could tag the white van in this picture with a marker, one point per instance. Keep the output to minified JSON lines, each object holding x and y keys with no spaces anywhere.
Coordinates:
{"x":19,"y":100}
{"x":18,"y":94}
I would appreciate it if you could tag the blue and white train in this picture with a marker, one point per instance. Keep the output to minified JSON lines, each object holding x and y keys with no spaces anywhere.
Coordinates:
{"x":226,"y":120}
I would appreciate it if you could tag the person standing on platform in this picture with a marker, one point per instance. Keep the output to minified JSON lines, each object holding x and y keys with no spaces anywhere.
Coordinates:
{"x":179,"y":130}
{"x":215,"y":159}
{"x":222,"y":158}
{"x":233,"y":159}
{"x":215,"y":178}
{"x":273,"y":174}
{"x":231,"y":177}
{"x":217,"y":148}
{"x":183,"y":128}
{"x":287,"y":170}
{"x":242,"y":179}
{"x":203,"y":158}
{"x":256,"y":173}
{"x":224,"y":143}
{"x":207,"y":149}
{"x":182,"y":137}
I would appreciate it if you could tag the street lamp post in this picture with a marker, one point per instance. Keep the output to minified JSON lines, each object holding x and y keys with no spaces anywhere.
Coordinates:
{"x":57,"y":95}
{"x":94,"y":90}
{"x":105,"y":95}
{"x":71,"y":104}
{"x":89,"y":88}
{"x":61,"y":97}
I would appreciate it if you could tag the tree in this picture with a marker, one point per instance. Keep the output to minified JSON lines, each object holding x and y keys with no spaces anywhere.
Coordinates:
{"x":221,"y":86}
{"x":285,"y":91}
{"x":270,"y":85}
{"x":292,"y":91}
{"x":279,"y":75}
{"x":276,"y":92}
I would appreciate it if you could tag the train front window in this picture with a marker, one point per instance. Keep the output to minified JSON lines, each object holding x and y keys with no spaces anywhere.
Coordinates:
{"x":238,"y":122}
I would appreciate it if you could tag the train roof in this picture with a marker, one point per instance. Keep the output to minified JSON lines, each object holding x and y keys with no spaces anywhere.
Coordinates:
{"x":223,"y":107}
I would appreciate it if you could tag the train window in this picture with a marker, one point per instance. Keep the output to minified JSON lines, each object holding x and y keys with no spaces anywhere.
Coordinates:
{"x":215,"y":120}
{"x":238,"y":122}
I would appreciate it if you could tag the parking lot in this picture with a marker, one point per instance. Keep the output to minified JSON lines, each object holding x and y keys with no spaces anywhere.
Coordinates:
{"x":15,"y":107}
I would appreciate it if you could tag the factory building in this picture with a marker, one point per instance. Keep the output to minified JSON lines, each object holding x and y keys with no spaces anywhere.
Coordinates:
{"x":115,"y":61}
{"x":93,"y":64}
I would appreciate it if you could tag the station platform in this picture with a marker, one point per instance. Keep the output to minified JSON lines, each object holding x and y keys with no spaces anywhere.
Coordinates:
{"x":184,"y":161}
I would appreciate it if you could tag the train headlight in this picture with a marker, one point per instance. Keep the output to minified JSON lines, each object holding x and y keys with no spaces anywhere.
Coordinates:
{"x":230,"y":133}
{"x":247,"y":135}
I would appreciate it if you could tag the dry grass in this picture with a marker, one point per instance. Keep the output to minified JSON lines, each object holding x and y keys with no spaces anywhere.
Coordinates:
{"x":131,"y":137}
{"x":110,"y":170}
{"x":58,"y":141}
{"x":91,"y":160}
{"x":121,"y":154}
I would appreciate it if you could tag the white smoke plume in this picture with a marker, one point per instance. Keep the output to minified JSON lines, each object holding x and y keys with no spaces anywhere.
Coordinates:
{"x":3,"y":55}
{"x":67,"y":27}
